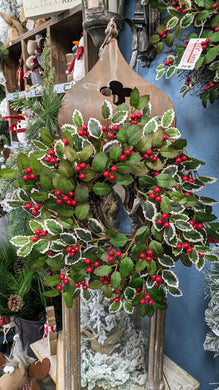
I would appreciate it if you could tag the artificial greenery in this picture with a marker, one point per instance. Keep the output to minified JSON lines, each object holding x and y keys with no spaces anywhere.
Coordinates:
{"x":46,"y":108}
{"x":65,"y":186}
{"x":182,"y":21}
{"x":18,"y":278}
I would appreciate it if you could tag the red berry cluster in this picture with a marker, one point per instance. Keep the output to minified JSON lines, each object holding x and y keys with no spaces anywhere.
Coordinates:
{"x":162,"y":221}
{"x":110,"y":134}
{"x":205,"y":44}
{"x":65,"y":198}
{"x":163,"y":34}
{"x":185,"y":246}
{"x":35,"y":210}
{"x":211,"y":85}
{"x":147,"y":298}
{"x":154,"y":195}
{"x":150,"y":155}
{"x":134,"y":118}
{"x":105,"y":279}
{"x":181,"y":159}
{"x":63,"y":280}
{"x":198,"y":226}
{"x":72,"y":250}
{"x":214,"y":6}
{"x":51,"y":157}
{"x":83,"y":131}
{"x":187,"y":178}
{"x":182,"y":9}
{"x":112,"y":253}
{"x":29,"y":175}
{"x":39,"y":234}
{"x":168,"y":62}
{"x":83,"y":284}
{"x":158,"y":280}
{"x":187,"y":80}
{"x":4,"y":320}
{"x":80,"y":168}
{"x":148,"y":255}
{"x":110,"y":175}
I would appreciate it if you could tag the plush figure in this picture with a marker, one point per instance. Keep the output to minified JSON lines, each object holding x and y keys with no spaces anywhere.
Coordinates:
{"x":77,"y":65}
{"x":19,"y":126}
{"x":34,"y":61}
{"x":21,"y":373}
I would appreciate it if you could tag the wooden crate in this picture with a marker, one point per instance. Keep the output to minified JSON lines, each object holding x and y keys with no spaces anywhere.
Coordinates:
{"x":175,"y":378}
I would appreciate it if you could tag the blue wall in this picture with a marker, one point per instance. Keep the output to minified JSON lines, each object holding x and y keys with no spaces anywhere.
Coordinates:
{"x":185,"y":325}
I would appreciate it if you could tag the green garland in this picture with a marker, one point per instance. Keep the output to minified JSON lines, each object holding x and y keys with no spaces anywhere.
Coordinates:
{"x":67,"y":184}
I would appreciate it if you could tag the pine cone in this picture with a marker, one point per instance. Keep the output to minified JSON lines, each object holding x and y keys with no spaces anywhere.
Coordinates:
{"x":18,"y":265}
{"x":15,"y":303}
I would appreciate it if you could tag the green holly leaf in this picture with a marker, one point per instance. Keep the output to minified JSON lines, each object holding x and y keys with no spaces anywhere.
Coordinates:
{"x":59,"y":149}
{"x":77,"y":118}
{"x":134,"y":98}
{"x":172,"y":22}
{"x":128,"y":307}
{"x":116,"y":306}
{"x":170,"y":278}
{"x":126,"y":266}
{"x":103,"y":270}
{"x":82,"y":210}
{"x":115,"y":279}
{"x":46,"y":137}
{"x":94,"y":128}
{"x":150,"y":127}
{"x":164,"y":180}
{"x":70,"y":153}
{"x":22,"y":161}
{"x":160,"y":47}
{"x":156,"y":248}
{"x":20,"y":240}
{"x":46,"y":183}
{"x":52,"y":281}
{"x":68,"y":299}
{"x":66,"y":169}
{"x":81,"y":193}
{"x":119,"y":240}
{"x":101,"y":188}
{"x":42,"y":245}
{"x":169,"y":39}
{"x":165,"y":205}
{"x":95,"y":226}
{"x":187,"y":20}
{"x":142,"y":234}
{"x":166,"y":261}
{"x":155,"y":38}
{"x":211,"y":54}
{"x":107,"y":110}
{"x":62,"y":184}
{"x":115,"y":153}
{"x":53,"y":227}
{"x":95,"y":285}
{"x":149,"y":210}
{"x":39,"y":196}
{"x":100,"y":162}
{"x":8,"y":173}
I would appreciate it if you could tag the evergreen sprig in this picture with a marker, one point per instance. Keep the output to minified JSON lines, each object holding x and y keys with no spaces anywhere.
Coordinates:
{"x":47,"y":107}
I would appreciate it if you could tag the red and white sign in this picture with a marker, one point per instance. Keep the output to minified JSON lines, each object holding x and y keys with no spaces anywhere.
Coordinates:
{"x":191,"y":54}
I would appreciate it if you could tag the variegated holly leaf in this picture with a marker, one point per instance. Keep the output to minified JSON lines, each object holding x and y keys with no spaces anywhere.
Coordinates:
{"x":77,"y":118}
{"x":170,"y":278}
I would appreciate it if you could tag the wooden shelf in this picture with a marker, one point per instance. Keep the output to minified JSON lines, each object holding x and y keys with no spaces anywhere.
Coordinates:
{"x":174,"y":376}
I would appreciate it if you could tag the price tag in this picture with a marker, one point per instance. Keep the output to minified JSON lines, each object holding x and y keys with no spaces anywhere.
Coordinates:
{"x":191,"y":54}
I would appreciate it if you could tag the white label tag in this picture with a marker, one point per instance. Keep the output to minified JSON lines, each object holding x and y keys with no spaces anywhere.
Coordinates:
{"x":191,"y":54}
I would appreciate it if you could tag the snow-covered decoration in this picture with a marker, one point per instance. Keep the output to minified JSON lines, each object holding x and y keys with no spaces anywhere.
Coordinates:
{"x":124,"y":366}
{"x":212,"y":312}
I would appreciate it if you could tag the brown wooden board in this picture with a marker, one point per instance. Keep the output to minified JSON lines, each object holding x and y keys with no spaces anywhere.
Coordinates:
{"x":86,"y":96}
